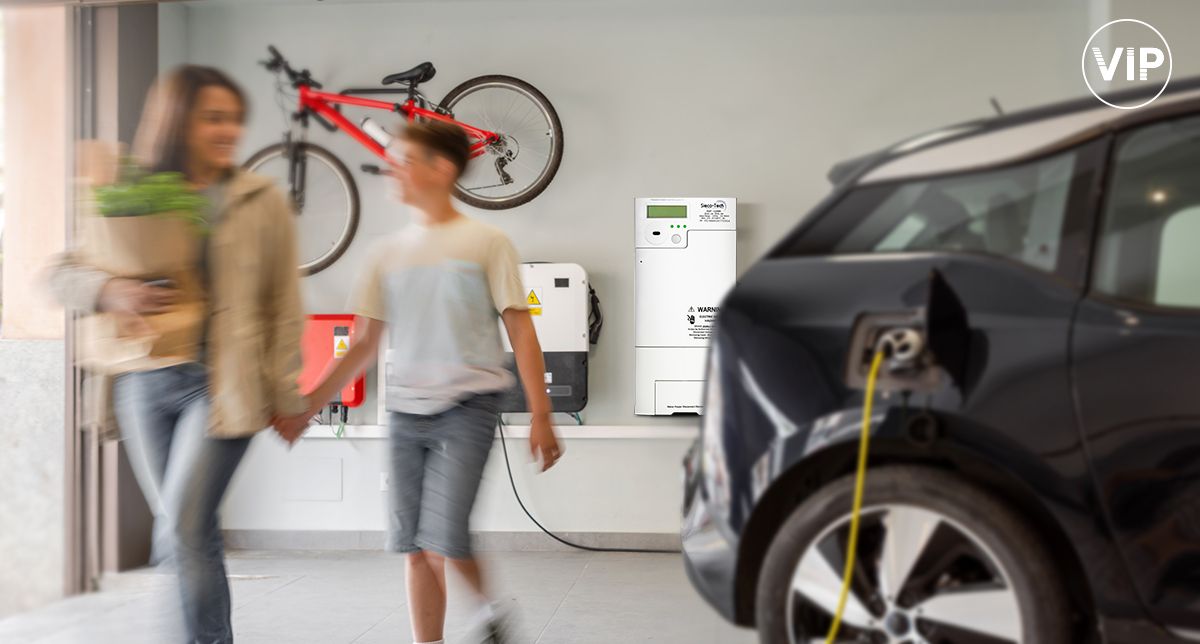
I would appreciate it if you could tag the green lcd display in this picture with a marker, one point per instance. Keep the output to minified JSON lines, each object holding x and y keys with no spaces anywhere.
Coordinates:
{"x":666,"y":212}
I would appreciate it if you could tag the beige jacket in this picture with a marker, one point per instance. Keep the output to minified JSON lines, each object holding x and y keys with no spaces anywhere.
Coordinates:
{"x":256,"y":318}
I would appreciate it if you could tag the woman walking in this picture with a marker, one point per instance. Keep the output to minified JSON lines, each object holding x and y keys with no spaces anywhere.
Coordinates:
{"x":187,"y":421}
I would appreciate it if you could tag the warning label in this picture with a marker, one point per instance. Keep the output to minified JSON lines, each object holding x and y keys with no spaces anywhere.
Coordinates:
{"x":340,"y":346}
{"x":534,"y":300}
{"x":712,"y":212}
{"x":700,"y":321}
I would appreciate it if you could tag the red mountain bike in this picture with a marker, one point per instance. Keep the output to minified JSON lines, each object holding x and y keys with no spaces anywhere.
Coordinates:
{"x":516,"y":148}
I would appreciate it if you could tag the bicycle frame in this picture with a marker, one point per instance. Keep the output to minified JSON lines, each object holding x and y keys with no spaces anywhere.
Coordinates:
{"x":321,"y":103}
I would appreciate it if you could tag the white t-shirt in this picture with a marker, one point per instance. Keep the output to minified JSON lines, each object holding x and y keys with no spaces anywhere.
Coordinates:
{"x":440,"y":288}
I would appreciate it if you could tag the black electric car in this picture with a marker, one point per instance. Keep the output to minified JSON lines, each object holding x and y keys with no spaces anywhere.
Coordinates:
{"x":1039,"y":481}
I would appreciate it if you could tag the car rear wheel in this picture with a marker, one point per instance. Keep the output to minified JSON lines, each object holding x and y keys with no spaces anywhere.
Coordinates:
{"x":938,"y":560}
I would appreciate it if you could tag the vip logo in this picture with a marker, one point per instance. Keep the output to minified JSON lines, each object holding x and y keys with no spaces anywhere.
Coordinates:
{"x":1148,"y":58}
{"x":1134,"y":45}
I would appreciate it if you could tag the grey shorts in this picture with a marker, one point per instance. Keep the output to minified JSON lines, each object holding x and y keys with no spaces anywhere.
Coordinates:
{"x":436,"y":465}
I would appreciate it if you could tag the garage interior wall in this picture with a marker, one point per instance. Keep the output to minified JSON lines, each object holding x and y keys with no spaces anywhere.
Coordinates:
{"x":754,"y":100}
{"x":657,"y":98}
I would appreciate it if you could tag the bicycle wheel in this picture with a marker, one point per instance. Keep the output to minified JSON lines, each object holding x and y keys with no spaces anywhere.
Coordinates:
{"x":326,"y":205}
{"x":517,"y":168}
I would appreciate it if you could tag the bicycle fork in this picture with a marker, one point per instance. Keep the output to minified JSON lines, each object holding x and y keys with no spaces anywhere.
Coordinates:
{"x":297,"y":171}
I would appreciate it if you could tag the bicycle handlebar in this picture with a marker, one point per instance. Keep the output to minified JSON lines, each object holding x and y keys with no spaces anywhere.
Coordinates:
{"x":278,"y":62}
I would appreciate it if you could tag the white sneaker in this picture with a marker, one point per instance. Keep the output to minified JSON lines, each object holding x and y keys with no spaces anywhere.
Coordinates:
{"x":496,"y":625}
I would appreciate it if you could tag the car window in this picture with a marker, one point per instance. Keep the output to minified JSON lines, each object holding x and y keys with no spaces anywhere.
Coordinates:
{"x":1015,"y":212}
{"x":1151,"y":225}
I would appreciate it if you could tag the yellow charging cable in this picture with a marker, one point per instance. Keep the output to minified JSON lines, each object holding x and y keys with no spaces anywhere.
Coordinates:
{"x":864,"y":442}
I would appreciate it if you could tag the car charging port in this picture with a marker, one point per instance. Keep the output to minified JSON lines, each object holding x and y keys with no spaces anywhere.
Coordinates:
{"x":924,"y":349}
{"x":901,"y":337}
{"x":901,"y":348}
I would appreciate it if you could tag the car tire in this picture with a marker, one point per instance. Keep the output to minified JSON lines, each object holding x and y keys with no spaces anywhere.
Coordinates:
{"x":1040,"y":598}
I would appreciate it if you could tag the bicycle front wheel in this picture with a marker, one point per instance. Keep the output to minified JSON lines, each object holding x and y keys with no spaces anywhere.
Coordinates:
{"x":324,"y":198}
{"x":522,"y":163}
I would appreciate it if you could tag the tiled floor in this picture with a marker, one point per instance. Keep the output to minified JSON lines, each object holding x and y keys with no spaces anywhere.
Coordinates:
{"x":344,"y":597}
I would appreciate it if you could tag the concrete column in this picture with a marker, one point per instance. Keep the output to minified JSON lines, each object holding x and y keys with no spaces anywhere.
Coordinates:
{"x":35,"y":166}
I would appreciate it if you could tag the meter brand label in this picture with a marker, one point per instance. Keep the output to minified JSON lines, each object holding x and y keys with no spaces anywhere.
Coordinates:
{"x":713,"y":212}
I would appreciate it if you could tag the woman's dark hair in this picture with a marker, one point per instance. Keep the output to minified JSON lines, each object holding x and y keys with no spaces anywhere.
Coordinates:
{"x":161,"y":141}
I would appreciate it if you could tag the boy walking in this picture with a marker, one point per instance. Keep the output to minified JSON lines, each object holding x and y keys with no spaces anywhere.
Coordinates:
{"x":435,"y":288}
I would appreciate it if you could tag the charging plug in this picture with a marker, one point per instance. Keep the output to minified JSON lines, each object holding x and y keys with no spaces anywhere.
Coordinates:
{"x":901,"y":348}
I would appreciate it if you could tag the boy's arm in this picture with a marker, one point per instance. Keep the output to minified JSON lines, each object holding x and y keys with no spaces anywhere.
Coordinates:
{"x":362,"y":352}
{"x":532,"y":369}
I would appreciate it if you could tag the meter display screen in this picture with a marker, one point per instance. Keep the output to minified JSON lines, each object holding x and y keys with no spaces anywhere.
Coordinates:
{"x":666,"y":212}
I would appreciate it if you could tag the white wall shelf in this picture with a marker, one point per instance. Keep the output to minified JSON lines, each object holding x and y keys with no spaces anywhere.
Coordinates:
{"x":567,"y":432}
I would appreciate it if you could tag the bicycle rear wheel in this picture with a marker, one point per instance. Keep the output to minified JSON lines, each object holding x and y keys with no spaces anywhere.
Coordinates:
{"x":521,"y":165}
{"x":325,"y":200}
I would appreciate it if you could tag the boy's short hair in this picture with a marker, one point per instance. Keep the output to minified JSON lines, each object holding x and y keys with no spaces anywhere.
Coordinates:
{"x":444,"y":139}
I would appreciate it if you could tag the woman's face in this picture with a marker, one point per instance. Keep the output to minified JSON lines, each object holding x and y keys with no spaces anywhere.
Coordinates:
{"x":214,"y":128}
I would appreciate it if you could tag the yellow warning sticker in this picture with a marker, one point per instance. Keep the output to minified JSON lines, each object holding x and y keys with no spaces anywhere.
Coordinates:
{"x":535,"y":310}
{"x":340,"y":347}
{"x":532,"y":298}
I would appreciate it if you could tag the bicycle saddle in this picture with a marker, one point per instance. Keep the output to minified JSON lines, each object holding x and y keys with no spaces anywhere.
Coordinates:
{"x":416,"y":75}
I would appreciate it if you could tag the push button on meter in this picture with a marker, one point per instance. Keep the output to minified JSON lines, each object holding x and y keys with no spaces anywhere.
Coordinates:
{"x":675,"y":238}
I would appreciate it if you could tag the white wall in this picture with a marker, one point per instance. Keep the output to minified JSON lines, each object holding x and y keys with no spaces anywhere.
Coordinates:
{"x":602,"y":486}
{"x":752,"y":99}
{"x":31,"y":473}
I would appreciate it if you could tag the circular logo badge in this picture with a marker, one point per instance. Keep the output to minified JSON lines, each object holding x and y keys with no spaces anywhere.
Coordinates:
{"x":1126,"y":53}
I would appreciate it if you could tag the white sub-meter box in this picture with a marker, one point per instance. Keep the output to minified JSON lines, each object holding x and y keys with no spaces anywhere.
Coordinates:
{"x":684,"y":250}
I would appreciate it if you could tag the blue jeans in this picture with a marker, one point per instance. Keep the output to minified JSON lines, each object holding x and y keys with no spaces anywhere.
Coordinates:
{"x":163,"y":416}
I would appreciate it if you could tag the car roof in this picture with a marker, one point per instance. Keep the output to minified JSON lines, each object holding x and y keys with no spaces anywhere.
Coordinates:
{"x":1012,"y":137}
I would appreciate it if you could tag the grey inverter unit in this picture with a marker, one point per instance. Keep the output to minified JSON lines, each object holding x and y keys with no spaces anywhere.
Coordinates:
{"x":557,"y":296}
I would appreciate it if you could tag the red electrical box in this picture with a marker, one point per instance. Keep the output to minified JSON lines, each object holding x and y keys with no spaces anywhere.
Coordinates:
{"x":327,"y":338}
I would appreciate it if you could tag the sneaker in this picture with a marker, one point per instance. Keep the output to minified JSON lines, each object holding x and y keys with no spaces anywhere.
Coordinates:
{"x":497,"y":628}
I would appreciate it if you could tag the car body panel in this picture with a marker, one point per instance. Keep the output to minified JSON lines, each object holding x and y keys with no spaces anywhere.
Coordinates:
{"x":779,"y":344}
{"x":1147,"y":466}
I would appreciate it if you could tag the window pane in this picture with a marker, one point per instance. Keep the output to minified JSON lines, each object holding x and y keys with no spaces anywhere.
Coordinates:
{"x":1151,"y":224}
{"x":1179,"y":264}
{"x":1014,"y":212}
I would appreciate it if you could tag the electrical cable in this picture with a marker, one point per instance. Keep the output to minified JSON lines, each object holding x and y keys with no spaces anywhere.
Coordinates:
{"x":595,"y":317}
{"x":512,"y":481}
{"x":859,"y":483}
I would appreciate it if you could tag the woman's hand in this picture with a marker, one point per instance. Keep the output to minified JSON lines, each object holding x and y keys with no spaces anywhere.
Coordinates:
{"x":543,"y":443}
{"x":128,"y":300}
{"x":291,"y":428}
